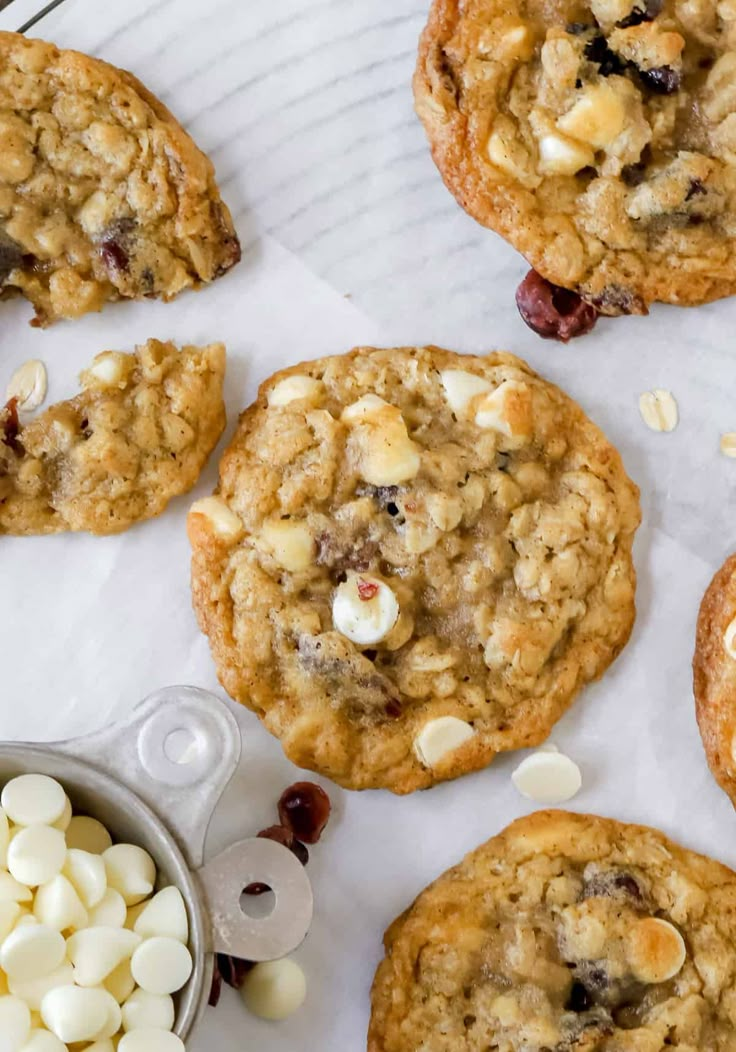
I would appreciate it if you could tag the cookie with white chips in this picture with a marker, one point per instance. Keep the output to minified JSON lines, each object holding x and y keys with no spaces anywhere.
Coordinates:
{"x":413,"y":561}
{"x":714,"y":675}
{"x":565,"y":933}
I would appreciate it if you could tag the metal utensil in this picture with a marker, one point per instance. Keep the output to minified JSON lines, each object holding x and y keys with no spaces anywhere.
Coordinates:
{"x":154,"y":781}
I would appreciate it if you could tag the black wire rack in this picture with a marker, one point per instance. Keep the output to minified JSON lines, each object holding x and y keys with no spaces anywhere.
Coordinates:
{"x":41,"y":13}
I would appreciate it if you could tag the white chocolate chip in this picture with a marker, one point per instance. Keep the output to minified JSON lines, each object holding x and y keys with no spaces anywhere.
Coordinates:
{"x":364,"y":609}
{"x":58,"y":905}
{"x":65,"y":818}
{"x":120,"y":982}
{"x":87,"y":874}
{"x":161,"y":965}
{"x":108,"y":369}
{"x":386,"y":454}
{"x":223,"y":522}
{"x":75,"y":1014}
{"x":33,"y":799}
{"x":15,"y":1023}
{"x":728,"y":444}
{"x":461,"y":388}
{"x":295,"y":388}
{"x":113,"y":1022}
{"x":440,"y":737}
{"x":33,"y":991}
{"x":370,"y":406}
{"x":131,"y":871}
{"x":165,"y":914}
{"x":143,"y":1009}
{"x":32,"y":951}
{"x":561,"y":155}
{"x":655,"y":950}
{"x":95,"y":952}
{"x":150,"y":1041}
{"x":729,"y":639}
{"x":88,"y":834}
{"x":658,"y":410}
{"x":36,"y":854}
{"x":507,"y":409}
{"x":12,"y":891}
{"x":4,"y":838}
{"x":290,"y":542}
{"x":43,"y":1041}
{"x":598,"y":117}
{"x":28,"y":384}
{"x":274,"y":989}
{"x":110,"y":911}
{"x":547,"y":777}
{"x":10,"y":913}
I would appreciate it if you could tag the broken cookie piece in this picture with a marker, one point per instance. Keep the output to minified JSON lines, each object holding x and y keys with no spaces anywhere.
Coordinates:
{"x":137,"y":435}
{"x":103,"y":196}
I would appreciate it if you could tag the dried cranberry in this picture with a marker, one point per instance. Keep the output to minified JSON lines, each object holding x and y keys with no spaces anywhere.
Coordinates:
{"x":215,"y":988}
{"x":304,"y":808}
{"x":256,"y":888}
{"x":598,"y":51}
{"x":579,"y":999}
{"x":638,"y":14}
{"x":695,"y":189}
{"x":11,"y":426}
{"x":11,"y":256}
{"x":634,"y":174}
{"x":285,"y":837}
{"x":232,"y":970}
{"x":662,"y":80}
{"x":115,"y":246}
{"x":553,"y":312}
{"x":367,"y":589}
{"x":393,"y":708}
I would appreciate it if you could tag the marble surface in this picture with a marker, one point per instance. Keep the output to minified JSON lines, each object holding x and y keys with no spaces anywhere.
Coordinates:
{"x":350,"y":237}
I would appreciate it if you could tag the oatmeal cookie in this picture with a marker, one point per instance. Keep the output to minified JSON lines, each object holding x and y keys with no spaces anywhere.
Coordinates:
{"x":414,"y":560}
{"x":714,"y":675}
{"x":565,"y":933}
{"x":137,"y":435}
{"x":103,"y":196}
{"x":597,"y":136}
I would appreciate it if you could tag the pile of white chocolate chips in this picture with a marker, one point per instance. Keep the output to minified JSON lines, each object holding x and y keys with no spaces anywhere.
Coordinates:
{"x":89,"y":956}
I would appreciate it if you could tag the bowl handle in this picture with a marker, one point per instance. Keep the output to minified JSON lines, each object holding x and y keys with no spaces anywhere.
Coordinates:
{"x":236,"y":933}
{"x":177,"y":752}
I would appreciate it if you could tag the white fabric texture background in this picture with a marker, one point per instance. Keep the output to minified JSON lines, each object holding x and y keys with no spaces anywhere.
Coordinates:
{"x":349,"y":237}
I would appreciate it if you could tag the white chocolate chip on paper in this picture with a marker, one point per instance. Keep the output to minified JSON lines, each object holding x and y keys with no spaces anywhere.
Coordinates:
{"x":658,"y":410}
{"x":364,"y":609}
{"x":440,"y":737}
{"x":28,"y":384}
{"x":728,"y":444}
{"x":274,"y":989}
{"x":547,"y":777}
